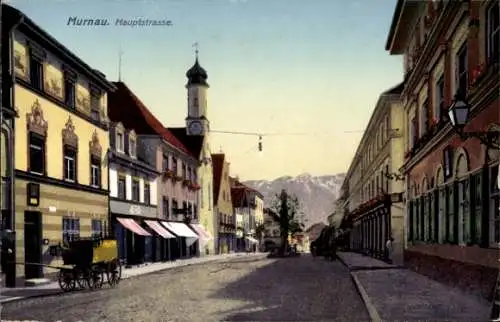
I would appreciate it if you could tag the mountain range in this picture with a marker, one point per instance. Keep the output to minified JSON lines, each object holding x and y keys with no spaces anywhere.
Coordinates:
{"x":316,"y":194}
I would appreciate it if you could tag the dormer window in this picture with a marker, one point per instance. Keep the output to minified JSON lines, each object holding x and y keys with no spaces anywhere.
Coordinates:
{"x":119,"y":142}
{"x":132,"y":147}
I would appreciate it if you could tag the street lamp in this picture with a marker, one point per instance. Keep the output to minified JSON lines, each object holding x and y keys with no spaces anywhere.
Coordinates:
{"x":459,"y":116}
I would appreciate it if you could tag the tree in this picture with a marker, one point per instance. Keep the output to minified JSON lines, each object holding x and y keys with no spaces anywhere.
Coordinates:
{"x":287,"y":207}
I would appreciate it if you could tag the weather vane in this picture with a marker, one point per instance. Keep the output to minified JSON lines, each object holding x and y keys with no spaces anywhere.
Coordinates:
{"x":195,"y":45}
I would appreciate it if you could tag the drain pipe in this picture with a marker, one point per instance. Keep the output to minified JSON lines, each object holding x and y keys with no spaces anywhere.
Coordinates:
{"x":10,"y":280}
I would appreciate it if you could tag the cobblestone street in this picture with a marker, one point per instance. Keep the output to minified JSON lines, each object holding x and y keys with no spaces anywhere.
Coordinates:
{"x":240,"y":289}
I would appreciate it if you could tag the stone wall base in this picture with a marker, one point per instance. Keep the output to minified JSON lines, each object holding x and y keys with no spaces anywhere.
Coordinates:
{"x":470,"y":277}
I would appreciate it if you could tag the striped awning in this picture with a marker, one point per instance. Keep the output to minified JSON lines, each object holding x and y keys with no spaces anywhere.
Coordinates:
{"x":158,"y":228}
{"x":133,"y":226}
{"x":202,"y":233}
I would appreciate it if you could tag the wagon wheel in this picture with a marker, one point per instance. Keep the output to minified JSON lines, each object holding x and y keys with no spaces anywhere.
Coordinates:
{"x":82,"y":278}
{"x":96,"y":278}
{"x":66,"y":280}
{"x":114,"y":272}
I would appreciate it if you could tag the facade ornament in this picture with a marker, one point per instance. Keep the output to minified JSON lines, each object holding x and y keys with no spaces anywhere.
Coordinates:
{"x":94,"y":145}
{"x":36,"y":121}
{"x":68,"y":134}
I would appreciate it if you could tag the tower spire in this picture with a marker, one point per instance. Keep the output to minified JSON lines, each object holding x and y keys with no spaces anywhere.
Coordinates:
{"x":196,"y":51}
{"x":120,"y":54}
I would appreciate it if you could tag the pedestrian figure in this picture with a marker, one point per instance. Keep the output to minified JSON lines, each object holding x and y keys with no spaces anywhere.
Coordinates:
{"x":388,"y":250}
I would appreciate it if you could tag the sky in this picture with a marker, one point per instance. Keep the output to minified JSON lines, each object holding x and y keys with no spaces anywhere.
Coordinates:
{"x":312,"y":67}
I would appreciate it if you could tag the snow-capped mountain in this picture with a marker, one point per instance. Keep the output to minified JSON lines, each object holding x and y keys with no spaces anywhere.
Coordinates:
{"x":316,"y":194}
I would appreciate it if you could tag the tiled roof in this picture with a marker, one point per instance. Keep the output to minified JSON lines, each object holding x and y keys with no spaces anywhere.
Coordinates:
{"x":236,"y":183}
{"x":124,"y":106}
{"x":217,"y":166}
{"x":194,"y":143}
{"x":238,"y":197}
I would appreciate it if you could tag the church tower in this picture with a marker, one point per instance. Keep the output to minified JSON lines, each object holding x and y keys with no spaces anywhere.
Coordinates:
{"x":196,"y":121}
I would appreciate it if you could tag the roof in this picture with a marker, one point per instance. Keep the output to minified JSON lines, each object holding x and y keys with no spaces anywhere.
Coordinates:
{"x":125,"y":107}
{"x":398,"y":89}
{"x":194,"y":143}
{"x":217,"y":166}
{"x":394,"y":24}
{"x":271,"y":213}
{"x":197,"y":75}
{"x":11,"y":16}
{"x":239,"y":197}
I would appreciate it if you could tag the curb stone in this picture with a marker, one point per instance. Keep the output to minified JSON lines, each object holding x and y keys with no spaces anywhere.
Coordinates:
{"x":61,"y":293}
{"x":372,"y":311}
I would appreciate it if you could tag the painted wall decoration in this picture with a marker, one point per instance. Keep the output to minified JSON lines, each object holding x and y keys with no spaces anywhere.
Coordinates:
{"x":20,"y":58}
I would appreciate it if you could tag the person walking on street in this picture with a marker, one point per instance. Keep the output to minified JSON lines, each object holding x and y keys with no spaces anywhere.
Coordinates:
{"x":388,"y":250}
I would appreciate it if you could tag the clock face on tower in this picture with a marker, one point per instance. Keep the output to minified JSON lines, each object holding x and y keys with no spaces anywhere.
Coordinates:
{"x":195,"y":127}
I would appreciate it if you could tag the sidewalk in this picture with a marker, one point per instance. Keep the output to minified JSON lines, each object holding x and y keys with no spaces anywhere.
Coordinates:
{"x":19,"y":293}
{"x":397,"y":294}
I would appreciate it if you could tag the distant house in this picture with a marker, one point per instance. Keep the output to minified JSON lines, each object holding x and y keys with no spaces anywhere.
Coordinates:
{"x":272,"y":233}
{"x":314,"y":231}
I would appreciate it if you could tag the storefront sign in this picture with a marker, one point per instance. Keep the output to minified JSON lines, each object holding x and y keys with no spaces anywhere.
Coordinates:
{"x":126,"y":208}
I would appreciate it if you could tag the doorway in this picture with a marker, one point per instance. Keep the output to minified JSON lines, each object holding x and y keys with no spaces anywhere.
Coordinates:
{"x":32,"y":244}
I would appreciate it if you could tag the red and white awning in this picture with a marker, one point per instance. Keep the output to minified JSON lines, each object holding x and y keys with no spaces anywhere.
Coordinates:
{"x":133,"y":226}
{"x":204,"y":234}
{"x":180,"y":229}
{"x":157,"y":227}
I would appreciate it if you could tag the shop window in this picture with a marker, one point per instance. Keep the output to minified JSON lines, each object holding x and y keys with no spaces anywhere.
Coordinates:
{"x":442,"y":222}
{"x":464,"y":213}
{"x":97,"y":228}
{"x":451,"y":236}
{"x":71,"y":229}
{"x":477,"y":210}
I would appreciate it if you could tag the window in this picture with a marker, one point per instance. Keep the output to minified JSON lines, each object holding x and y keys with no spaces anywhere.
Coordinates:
{"x":37,"y":153}
{"x":174,"y":206}
{"x":69,"y":93}
{"x":189,"y":176}
{"x":165,"y":162}
{"x":493,"y":32}
{"x":36,"y":73}
{"x":95,"y":171}
{"x":451,"y":214}
{"x":95,"y":107}
{"x":165,"y":208}
{"x":97,"y":230}
{"x":424,"y":125}
{"x":119,"y":142}
{"x":185,"y":206}
{"x":135,"y":190}
{"x":132,"y":148}
{"x":195,"y":211}
{"x":121,"y":187}
{"x":174,"y":165}
{"x":461,"y":70}
{"x":71,"y":229}
{"x":439,"y":106}
{"x":147,"y":193}
{"x":183,"y":170}
{"x":413,"y":132}
{"x":69,"y":163}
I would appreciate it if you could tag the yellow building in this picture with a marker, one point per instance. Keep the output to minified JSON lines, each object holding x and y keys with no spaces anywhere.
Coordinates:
{"x":373,"y":186}
{"x":223,"y":205}
{"x":61,"y":142}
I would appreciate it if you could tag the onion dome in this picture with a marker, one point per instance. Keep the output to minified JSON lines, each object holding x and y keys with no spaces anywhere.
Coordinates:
{"x":197,"y":75}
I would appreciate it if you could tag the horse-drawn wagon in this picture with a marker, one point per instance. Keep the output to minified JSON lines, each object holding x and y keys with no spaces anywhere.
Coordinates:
{"x":88,"y":262}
